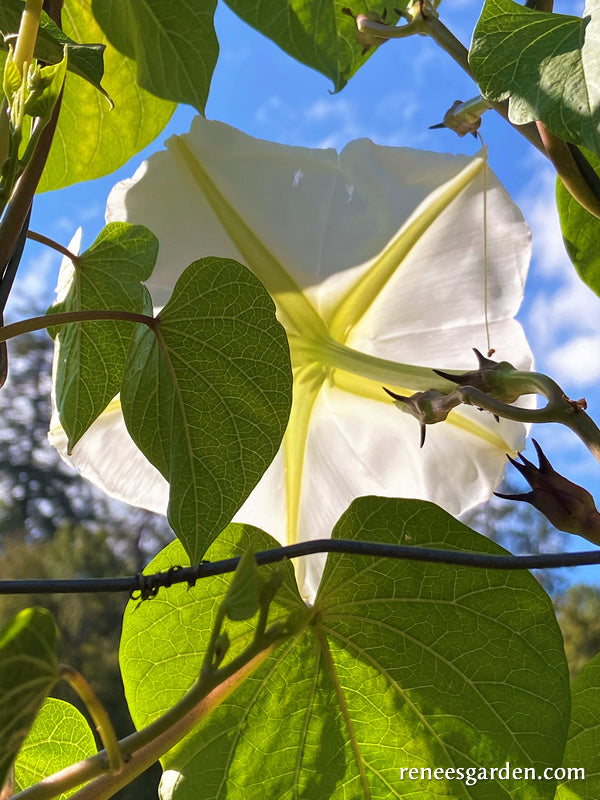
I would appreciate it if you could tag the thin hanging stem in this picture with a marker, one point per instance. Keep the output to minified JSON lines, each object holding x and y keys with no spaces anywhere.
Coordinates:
{"x":485,"y":246}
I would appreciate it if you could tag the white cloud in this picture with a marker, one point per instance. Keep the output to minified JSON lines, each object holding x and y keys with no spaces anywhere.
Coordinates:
{"x":336,"y":107}
{"x":272,"y":106}
{"x":576,"y":362}
{"x":31,"y":292}
{"x":339,"y":116}
{"x":539,"y":206}
{"x":335,"y":121}
{"x":65,"y":224}
{"x":559,"y":315}
{"x":562,"y":320}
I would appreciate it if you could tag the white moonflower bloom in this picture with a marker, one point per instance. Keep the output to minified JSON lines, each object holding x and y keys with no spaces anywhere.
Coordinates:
{"x":375,"y":260}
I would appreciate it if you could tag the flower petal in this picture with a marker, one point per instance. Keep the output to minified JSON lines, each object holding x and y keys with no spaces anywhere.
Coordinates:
{"x":107,"y":456}
{"x":358,"y":446}
{"x":449,"y":280}
{"x":339,"y":210}
{"x":373,"y":254}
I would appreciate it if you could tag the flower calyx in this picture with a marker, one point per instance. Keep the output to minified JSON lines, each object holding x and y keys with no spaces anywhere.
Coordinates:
{"x":420,"y":9}
{"x":427,"y":407}
{"x":568,"y":506}
{"x":492,"y":378}
{"x":463,"y":118}
{"x":371,"y":28}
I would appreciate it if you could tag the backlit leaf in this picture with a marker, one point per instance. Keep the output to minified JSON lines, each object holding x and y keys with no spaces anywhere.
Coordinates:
{"x":28,"y":670}
{"x":319,"y":35}
{"x":92,"y":355}
{"x":403,"y":665}
{"x":206,"y":396}
{"x":546,"y":64}
{"x":59,"y":737}
{"x":174,"y":45}
{"x":96,"y":143}
{"x":584,"y":737}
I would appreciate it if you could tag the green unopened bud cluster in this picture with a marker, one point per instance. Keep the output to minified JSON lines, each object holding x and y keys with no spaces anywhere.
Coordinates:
{"x":498,"y":380}
{"x":494,"y":387}
{"x":31,"y":92}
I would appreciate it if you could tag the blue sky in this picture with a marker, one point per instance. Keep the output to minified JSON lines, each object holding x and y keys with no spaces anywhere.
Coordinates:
{"x":404,"y":88}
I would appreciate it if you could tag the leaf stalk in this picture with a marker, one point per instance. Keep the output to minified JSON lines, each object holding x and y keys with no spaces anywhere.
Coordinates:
{"x":66,"y":317}
{"x":41,"y":239}
{"x":425,"y":21}
{"x":97,"y":712}
{"x":561,"y":155}
{"x":142,"y":748}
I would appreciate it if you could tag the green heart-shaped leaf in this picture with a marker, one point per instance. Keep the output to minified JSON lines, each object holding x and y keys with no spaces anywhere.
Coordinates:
{"x":28,"y":670}
{"x":545,"y":64}
{"x":93,"y":144}
{"x":59,"y":737}
{"x":404,"y":665}
{"x":319,"y":35}
{"x":174,"y":45}
{"x":206,"y":395}
{"x":92,"y":355}
{"x":582,"y":769}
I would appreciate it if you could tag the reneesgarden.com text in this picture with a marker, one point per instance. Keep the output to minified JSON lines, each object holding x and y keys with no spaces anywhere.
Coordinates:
{"x":473,"y":775}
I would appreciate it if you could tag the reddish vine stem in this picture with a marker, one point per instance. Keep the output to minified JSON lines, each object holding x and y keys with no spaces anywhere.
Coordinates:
{"x":66,"y":317}
{"x":46,"y":240}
